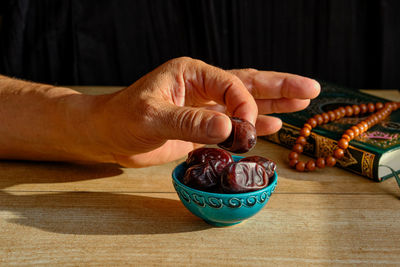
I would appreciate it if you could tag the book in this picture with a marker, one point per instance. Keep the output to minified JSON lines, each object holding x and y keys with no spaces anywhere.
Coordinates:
{"x":375,"y":154}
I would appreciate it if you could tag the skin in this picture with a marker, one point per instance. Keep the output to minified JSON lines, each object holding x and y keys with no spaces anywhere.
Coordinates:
{"x":181,"y":105}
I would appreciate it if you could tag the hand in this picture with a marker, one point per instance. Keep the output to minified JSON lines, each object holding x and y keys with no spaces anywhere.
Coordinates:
{"x":178,"y":107}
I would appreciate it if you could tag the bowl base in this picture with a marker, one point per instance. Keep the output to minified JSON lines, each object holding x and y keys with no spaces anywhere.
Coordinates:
{"x":219,"y":224}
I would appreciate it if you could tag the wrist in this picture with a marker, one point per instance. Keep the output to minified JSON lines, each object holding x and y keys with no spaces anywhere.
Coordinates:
{"x":83,"y":137}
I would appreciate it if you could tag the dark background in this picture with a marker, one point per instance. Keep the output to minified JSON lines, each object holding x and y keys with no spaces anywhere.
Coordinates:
{"x":354,"y":43}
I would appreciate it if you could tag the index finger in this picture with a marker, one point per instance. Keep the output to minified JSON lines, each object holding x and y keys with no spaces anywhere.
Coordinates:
{"x":212,"y":83}
{"x":275,"y":85}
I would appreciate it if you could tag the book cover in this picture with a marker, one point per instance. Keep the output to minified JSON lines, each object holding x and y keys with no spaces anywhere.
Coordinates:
{"x":374,"y":154}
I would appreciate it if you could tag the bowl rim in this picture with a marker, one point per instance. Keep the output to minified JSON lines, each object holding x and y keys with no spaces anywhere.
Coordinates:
{"x":235,"y":158}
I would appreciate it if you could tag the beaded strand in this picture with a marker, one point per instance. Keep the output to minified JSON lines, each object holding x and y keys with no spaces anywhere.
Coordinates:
{"x":381,"y":110}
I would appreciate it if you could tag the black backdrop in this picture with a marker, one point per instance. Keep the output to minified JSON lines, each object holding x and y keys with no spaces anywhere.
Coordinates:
{"x":349,"y":42}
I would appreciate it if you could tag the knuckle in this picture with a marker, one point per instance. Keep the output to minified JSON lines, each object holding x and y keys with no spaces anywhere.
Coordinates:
{"x":250,"y":70}
{"x":181,"y":60}
{"x":179,"y":63}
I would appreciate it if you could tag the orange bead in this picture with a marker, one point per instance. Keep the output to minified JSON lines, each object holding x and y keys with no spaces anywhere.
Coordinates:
{"x":361,"y":128}
{"x":363,"y":108}
{"x":338,"y":153}
{"x":365,"y":124}
{"x":378,"y":105}
{"x":293,"y":162}
{"x":301,"y":140}
{"x":300,"y":166}
{"x":356,"y":109}
{"x":325,"y":117}
{"x":371,"y":107}
{"x":307,"y":125}
{"x":379,"y":116}
{"x":310,"y":166}
{"x":332,"y":115}
{"x":374,"y":120}
{"x":319,"y":119}
{"x":321,"y":163}
{"x":350,"y":133}
{"x":298,"y":148}
{"x":388,"y":105}
{"x":355,"y":130}
{"x":338,"y":114}
{"x":342,"y":111}
{"x":305,"y":132}
{"x":343,"y":143}
{"x":330,"y":161}
{"x":388,"y":111}
{"x":293,"y":155}
{"x":312,"y":122}
{"x":349,"y":111}
{"x":369,"y":122}
{"x":385,"y":114}
{"x":345,"y":136}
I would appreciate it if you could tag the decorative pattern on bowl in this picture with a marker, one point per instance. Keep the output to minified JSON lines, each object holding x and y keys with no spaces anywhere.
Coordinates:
{"x":221,"y":209}
{"x":217,"y":203}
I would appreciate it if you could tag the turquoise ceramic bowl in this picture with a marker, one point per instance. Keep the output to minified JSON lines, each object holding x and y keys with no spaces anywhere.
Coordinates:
{"x":221,"y":209}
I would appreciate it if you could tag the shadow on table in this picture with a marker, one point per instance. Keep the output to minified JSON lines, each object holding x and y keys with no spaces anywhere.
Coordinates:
{"x":91,"y":213}
{"x":29,"y":172}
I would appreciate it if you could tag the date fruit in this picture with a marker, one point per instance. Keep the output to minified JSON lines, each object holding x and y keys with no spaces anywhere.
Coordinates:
{"x":203,"y":176}
{"x":268,"y":165}
{"x":213,"y":170}
{"x":243,"y":136}
{"x":241,"y":177}
{"x":204,"y":155}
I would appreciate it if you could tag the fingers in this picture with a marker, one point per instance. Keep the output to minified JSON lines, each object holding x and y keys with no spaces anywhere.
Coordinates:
{"x":267,"y":125}
{"x":207,"y":126}
{"x":276,"y":85}
{"x":215,"y":84}
{"x":268,"y":106}
{"x":196,"y":125}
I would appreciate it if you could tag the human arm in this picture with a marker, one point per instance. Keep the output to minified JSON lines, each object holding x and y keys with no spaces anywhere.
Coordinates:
{"x":159,"y":118}
{"x":44,"y":122}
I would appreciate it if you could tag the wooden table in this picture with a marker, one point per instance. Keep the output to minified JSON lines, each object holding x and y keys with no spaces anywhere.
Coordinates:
{"x":68,"y":214}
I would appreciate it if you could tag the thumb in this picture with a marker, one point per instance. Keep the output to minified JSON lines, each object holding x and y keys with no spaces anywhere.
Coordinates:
{"x":196,"y":125}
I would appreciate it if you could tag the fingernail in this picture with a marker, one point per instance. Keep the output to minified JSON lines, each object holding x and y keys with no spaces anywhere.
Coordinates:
{"x":317,"y":85}
{"x":216,"y":127}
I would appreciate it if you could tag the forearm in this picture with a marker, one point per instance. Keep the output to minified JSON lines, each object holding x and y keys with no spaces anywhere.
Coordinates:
{"x":43,"y":122}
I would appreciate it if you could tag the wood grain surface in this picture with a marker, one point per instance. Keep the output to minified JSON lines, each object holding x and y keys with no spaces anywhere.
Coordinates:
{"x":78,"y":215}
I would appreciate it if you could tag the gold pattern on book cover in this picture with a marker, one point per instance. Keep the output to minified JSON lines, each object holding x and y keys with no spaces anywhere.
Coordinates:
{"x":367,"y":164}
{"x":377,"y":138}
{"x":274,"y":138}
{"x":326,"y":146}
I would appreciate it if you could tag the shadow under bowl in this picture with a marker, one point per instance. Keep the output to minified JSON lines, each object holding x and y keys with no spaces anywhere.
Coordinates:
{"x":221,"y":209}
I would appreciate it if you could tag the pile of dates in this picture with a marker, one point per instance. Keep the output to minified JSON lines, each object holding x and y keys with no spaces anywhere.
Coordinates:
{"x":213,"y":169}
